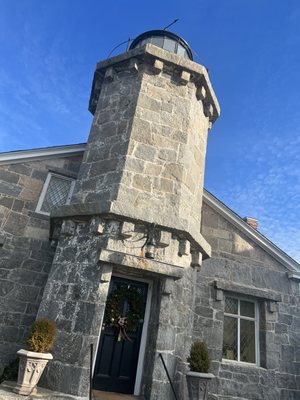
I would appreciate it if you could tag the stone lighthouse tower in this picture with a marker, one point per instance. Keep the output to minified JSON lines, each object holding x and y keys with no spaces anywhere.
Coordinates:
{"x":129,"y":244}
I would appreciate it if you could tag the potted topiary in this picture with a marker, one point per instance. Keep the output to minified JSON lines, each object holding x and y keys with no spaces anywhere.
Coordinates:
{"x":40,"y":339}
{"x":198,"y":377}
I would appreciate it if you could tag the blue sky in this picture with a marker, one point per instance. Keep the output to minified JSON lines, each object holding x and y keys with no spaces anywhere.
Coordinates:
{"x":252,"y":50}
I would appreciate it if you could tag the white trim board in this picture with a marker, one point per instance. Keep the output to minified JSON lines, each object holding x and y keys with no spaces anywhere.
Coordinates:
{"x":253,"y":234}
{"x":15,"y":157}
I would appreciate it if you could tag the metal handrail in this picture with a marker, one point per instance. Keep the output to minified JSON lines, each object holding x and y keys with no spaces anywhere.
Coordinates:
{"x":168,"y":375}
{"x":91,"y":371}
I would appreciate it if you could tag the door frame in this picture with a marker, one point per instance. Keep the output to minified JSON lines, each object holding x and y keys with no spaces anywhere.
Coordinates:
{"x":139,"y":369}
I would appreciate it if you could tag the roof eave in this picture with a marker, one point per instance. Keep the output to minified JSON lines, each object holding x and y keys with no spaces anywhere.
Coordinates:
{"x":15,"y":157}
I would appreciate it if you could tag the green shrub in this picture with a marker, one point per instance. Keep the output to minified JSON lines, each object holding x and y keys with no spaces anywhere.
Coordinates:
{"x":10,"y":371}
{"x":199,"y":358}
{"x":41,"y":336}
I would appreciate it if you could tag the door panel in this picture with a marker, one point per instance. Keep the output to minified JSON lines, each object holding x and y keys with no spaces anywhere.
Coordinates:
{"x":116,"y":362}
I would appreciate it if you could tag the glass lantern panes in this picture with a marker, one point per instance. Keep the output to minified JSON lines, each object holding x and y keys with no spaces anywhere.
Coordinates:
{"x":240,"y":334}
{"x":57,"y":191}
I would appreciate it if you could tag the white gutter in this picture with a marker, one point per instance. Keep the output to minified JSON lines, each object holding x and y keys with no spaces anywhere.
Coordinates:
{"x":14,"y":157}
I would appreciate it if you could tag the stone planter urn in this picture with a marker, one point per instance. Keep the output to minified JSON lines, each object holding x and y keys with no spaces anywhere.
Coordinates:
{"x":197,"y":383}
{"x":31,"y":367}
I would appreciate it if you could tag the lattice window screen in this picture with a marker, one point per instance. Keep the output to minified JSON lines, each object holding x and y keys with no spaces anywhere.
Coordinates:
{"x":57,"y":193}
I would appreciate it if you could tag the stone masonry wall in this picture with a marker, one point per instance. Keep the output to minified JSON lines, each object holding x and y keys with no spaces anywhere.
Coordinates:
{"x":25,"y":251}
{"x":241,"y":267}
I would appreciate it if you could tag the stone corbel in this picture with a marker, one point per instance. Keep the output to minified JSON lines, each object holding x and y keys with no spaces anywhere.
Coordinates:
{"x":106,"y":273}
{"x":184,"y":248}
{"x":196,"y":258}
{"x":165,"y":239}
{"x":127,"y":229}
{"x":208,"y":110}
{"x":96,"y":226}
{"x":109,"y":75}
{"x":272,"y":306}
{"x":158,"y":66}
{"x":168,"y":286}
{"x":185,"y":77}
{"x":112,"y":228}
{"x":68,"y":228}
{"x":201,"y":93}
{"x":219,"y":295}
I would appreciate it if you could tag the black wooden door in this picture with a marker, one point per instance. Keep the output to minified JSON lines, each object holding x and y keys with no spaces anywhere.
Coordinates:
{"x":116,"y":362}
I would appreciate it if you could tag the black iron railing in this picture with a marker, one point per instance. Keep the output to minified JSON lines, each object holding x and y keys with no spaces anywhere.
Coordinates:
{"x":91,"y":371}
{"x":168,"y":375}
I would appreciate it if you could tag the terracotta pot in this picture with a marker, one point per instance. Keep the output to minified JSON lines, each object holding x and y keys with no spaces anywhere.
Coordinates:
{"x":197,"y":383}
{"x":31,"y":367}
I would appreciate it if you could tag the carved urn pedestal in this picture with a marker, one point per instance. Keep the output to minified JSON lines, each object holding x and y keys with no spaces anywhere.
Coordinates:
{"x":31,"y":367}
{"x":197,"y":383}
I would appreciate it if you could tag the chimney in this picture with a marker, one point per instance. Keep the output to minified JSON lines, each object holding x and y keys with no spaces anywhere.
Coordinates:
{"x":253,"y":222}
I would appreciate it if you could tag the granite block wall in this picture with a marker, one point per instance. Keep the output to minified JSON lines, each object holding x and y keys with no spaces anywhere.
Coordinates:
{"x":25,"y":251}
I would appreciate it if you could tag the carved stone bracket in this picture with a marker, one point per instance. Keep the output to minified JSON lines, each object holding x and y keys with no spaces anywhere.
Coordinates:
{"x":68,"y":228}
{"x":185,"y":77}
{"x":109,"y":75}
{"x":158,"y":66}
{"x":196,"y":258}
{"x":168,"y":286}
{"x":184,"y":248}
{"x":97,"y":226}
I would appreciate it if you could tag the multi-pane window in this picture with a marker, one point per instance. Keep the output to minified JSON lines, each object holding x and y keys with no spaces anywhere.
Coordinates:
{"x":57,"y":191}
{"x":240,"y":336}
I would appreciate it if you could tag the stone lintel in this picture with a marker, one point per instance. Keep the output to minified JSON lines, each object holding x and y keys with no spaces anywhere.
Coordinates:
{"x":247,"y":290}
{"x":189,"y":70}
{"x":115,"y":210}
{"x":141,"y":263}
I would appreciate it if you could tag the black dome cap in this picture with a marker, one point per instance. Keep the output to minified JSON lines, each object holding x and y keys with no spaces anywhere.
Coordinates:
{"x":166,"y":40}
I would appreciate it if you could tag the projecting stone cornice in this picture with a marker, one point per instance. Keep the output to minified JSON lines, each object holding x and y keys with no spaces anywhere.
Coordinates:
{"x":199,"y":246}
{"x":160,"y":60}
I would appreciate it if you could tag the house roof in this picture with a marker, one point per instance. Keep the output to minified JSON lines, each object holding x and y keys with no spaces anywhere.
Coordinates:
{"x":292,"y":265}
{"x":14,"y":157}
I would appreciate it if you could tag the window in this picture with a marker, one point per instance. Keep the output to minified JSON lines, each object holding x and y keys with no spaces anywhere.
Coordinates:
{"x":57,"y":191}
{"x":240,"y":336}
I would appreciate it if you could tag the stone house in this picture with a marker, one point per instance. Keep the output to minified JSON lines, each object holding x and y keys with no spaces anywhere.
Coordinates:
{"x":126,"y":214}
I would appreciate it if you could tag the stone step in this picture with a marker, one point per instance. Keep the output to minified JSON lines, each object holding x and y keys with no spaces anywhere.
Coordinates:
{"x":100,"y":395}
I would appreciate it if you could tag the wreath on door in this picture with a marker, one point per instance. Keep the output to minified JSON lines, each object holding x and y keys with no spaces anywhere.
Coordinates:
{"x":124,"y":310}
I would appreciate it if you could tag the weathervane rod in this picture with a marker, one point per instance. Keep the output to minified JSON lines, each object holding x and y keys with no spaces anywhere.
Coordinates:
{"x":172,"y":23}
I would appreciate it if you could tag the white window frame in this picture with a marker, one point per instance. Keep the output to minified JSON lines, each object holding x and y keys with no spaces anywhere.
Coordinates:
{"x":45,"y":188}
{"x":256,"y":329}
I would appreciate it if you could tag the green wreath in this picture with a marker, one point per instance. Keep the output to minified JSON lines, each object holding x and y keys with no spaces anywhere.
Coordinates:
{"x":127,"y":318}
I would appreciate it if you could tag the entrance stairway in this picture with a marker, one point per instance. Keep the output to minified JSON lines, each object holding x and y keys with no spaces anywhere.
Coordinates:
{"x":99,"y":395}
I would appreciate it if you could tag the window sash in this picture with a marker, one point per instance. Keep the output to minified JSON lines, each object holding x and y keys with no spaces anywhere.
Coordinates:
{"x":45,"y":189}
{"x":239,"y":317}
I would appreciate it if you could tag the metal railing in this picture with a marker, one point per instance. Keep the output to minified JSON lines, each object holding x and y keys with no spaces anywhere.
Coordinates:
{"x":168,"y":375}
{"x":91,"y":371}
